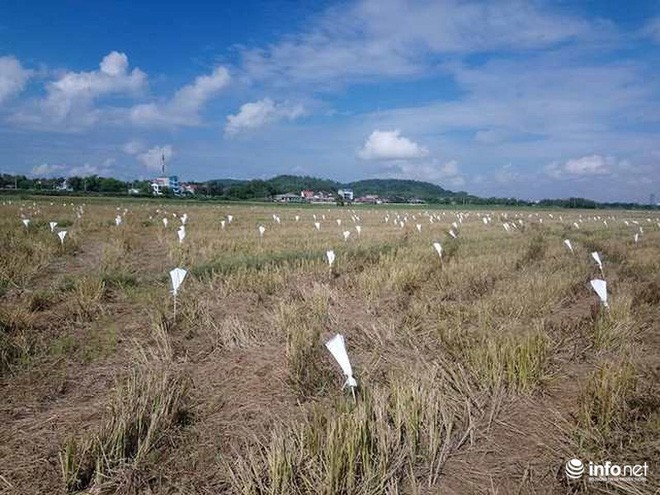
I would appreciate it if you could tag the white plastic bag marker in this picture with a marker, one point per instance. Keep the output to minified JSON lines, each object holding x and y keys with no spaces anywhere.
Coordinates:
{"x":337,"y":348}
{"x":438,"y":248}
{"x":61,"y":234}
{"x":52,"y":226}
{"x":600,"y":286}
{"x":330,"y":255}
{"x":181,"y":232}
{"x":596,"y":258}
{"x":262,"y":229}
{"x":569,"y":245}
{"x":177,"y":275}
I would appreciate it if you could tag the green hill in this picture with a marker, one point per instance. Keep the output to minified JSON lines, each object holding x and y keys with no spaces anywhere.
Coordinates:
{"x":406,"y":189}
{"x":387,"y":188}
{"x":296,"y":183}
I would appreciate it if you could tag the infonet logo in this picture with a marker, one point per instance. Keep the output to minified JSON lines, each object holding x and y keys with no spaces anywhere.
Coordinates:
{"x":606,"y":471}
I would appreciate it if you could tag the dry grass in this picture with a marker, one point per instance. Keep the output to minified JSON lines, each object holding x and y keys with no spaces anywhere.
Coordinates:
{"x":146,"y":406}
{"x":238,"y":394}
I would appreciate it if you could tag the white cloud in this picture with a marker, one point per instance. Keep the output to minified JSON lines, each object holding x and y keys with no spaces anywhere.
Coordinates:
{"x":74,"y":92}
{"x":183,"y":109}
{"x":70,"y":102}
{"x":153,"y":157}
{"x":87,"y":169}
{"x":507,"y":175}
{"x":133,"y":147}
{"x":652,"y":29}
{"x":390,"y":145}
{"x":398,"y":38}
{"x":13,"y":77}
{"x":446,"y":174}
{"x":46,"y":169}
{"x":593,"y":165}
{"x":259,"y":113}
{"x":60,"y":170}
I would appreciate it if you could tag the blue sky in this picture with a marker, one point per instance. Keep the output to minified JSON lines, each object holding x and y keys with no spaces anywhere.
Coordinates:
{"x":528,"y":99}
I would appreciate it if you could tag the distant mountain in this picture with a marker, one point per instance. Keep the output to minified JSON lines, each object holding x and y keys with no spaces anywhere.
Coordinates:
{"x":405,"y":189}
{"x":296,"y":183}
{"x":387,"y":188}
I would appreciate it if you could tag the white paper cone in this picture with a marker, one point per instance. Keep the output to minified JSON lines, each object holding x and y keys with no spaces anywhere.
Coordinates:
{"x":568,"y":245}
{"x":165,"y":221}
{"x":596,"y":258}
{"x":438,"y":247}
{"x":61,"y":234}
{"x":330,"y":255}
{"x":177,"y":275}
{"x":52,"y":226}
{"x":181,"y":233}
{"x":262,"y":229}
{"x":118,"y":220}
{"x":317,"y":225}
{"x":337,"y":348}
{"x":230,"y":218}
{"x":346,"y":234}
{"x":26,"y":222}
{"x":222,"y":224}
{"x":600,"y":286}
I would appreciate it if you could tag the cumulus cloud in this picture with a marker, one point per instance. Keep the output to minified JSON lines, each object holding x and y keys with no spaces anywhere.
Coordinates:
{"x":70,"y":99}
{"x":259,"y":113}
{"x":183,"y":109}
{"x":593,"y":165}
{"x":153,"y":157}
{"x":13,"y":77}
{"x":77,"y":90}
{"x":133,"y":147}
{"x":446,"y":174}
{"x":47,"y":169}
{"x":84,"y":170}
{"x":390,"y":145}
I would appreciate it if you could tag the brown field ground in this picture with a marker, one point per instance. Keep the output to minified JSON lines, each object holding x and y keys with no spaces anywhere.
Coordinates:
{"x":483,"y":371}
